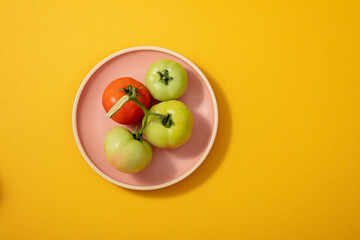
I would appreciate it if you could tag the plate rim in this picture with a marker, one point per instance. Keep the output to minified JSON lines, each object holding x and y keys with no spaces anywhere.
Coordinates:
{"x":75,"y":107}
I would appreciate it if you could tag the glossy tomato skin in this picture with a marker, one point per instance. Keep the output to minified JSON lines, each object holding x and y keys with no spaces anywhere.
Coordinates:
{"x":175,"y":87}
{"x":130,"y":112}
{"x":125,"y":153}
{"x":177,"y":134}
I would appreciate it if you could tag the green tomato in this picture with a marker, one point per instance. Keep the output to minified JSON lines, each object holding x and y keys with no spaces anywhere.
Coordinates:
{"x":173,"y":131}
{"x":166,"y":80}
{"x":124,"y":152}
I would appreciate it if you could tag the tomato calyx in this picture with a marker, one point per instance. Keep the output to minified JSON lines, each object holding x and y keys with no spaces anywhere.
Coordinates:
{"x":137,"y":135}
{"x":164,"y":76}
{"x":167,"y":120}
{"x":130,"y":90}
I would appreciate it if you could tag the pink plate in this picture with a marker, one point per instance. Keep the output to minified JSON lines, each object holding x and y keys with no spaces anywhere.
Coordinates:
{"x":167,"y":166}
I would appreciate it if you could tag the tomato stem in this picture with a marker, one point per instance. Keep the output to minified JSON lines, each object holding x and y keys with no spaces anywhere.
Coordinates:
{"x":131,"y":95}
{"x":166,"y":120}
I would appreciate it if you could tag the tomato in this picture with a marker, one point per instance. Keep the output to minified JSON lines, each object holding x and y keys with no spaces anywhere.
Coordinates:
{"x":126,"y":153}
{"x":174,"y":129}
{"x":166,"y":80}
{"x":130,"y":112}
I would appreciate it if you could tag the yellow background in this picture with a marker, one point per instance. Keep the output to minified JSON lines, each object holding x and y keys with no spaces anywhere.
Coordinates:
{"x":286,"y":161}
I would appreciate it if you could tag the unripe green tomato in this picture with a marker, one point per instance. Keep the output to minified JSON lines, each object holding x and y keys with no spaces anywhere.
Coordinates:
{"x":175,"y":135}
{"x":125,"y":153}
{"x":166,"y":80}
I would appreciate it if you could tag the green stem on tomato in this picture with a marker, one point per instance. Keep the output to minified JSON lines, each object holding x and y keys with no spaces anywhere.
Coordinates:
{"x":138,"y":135}
{"x":131,"y":95}
{"x":165,"y":119}
{"x":145,"y":110}
{"x":144,"y":121}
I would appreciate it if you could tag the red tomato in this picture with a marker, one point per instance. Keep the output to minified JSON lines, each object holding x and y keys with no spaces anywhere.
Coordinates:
{"x":130,"y":112}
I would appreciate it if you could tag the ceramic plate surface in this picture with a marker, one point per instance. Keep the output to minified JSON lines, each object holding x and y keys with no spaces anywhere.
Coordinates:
{"x":167,"y":166}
